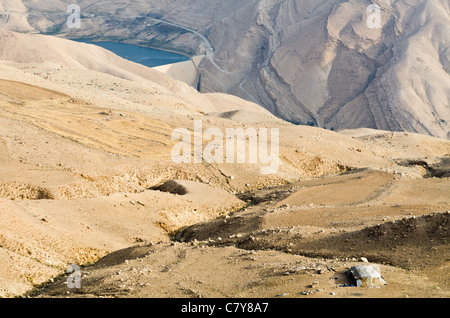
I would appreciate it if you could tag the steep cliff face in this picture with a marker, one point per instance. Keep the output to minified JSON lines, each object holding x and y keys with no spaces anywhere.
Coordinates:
{"x":331,"y":63}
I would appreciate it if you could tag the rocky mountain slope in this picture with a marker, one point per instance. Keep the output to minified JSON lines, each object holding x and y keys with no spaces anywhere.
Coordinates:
{"x":87,"y":178}
{"x":86,"y":173}
{"x":322,"y":63}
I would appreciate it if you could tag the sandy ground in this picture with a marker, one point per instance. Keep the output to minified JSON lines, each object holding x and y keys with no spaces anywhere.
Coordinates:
{"x":86,"y":178}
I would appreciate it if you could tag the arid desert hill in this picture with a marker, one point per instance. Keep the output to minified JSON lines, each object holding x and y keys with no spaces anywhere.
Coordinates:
{"x":87,"y":178}
{"x":336,"y":64}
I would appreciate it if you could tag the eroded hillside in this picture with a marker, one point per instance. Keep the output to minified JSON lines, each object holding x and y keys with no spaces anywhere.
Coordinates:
{"x":334,"y":64}
{"x":86,"y":175}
